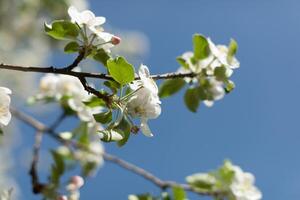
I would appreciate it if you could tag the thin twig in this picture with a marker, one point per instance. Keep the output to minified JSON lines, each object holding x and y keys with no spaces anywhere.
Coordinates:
{"x":37,"y":187}
{"x":78,"y":59}
{"x":108,"y":157}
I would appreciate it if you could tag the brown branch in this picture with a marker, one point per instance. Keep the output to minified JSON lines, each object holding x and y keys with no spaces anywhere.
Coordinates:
{"x":55,"y":70}
{"x":37,"y":187}
{"x":78,"y":59}
{"x":108,"y":157}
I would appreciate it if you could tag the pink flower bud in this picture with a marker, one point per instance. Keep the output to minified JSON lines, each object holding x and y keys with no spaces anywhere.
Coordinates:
{"x":62,"y":198}
{"x":115,"y":40}
{"x":77,"y":181}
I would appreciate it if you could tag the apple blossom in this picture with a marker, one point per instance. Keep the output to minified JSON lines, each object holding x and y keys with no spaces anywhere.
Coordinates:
{"x":76,"y":182}
{"x":216,"y":91}
{"x":62,"y":197}
{"x":144,"y":103}
{"x":242,"y":186}
{"x":5,"y":115}
{"x":85,"y":17}
{"x":95,"y":156}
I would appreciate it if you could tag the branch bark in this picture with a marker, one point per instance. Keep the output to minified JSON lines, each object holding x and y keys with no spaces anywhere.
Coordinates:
{"x":56,"y":70}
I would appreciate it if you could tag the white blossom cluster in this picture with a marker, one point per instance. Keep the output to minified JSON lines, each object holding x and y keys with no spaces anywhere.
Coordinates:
{"x":218,"y":57}
{"x":231,"y":179}
{"x":5,"y":115}
{"x":75,"y":183}
{"x":144,"y":103}
{"x":61,"y":87}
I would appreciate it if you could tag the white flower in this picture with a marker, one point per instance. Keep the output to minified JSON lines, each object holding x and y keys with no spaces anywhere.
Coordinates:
{"x":221,"y":53}
{"x":145,"y":103}
{"x":95,"y":156}
{"x":93,"y":23}
{"x":5,"y":115}
{"x":48,"y":85}
{"x":243,"y":187}
{"x":71,"y":86}
{"x":85,"y":17}
{"x":216,"y":90}
{"x":76,"y":182}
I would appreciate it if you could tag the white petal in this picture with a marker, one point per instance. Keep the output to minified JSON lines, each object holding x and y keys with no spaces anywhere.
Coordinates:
{"x":74,"y":15}
{"x":87,"y":16}
{"x":208,"y":103}
{"x":144,"y":72}
{"x":104,"y":36}
{"x":5,"y":118}
{"x":97,"y":21}
{"x":145,"y":128}
{"x":5,"y":90}
{"x":115,"y":136}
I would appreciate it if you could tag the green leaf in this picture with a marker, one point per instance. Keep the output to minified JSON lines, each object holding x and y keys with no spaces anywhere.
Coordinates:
{"x":179,"y":193}
{"x":95,"y":102}
{"x":57,"y":168}
{"x":120,"y":70}
{"x":1,"y":131}
{"x":220,"y":73}
{"x":101,"y":56}
{"x":112,"y":85}
{"x":232,"y":49}
{"x":170,"y":87}
{"x":62,"y":30}
{"x":182,"y":62}
{"x":201,"y":181}
{"x":103,"y":118}
{"x":88,"y":168}
{"x":201,"y":47}
{"x":72,"y":47}
{"x":229,"y":86}
{"x":124,"y":128}
{"x":192,"y":99}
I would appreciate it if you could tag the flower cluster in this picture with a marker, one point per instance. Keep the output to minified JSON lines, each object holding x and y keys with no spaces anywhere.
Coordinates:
{"x":87,"y":19}
{"x":144,"y":103}
{"x":5,"y":115}
{"x":230,"y":181}
{"x":213,"y":69}
{"x":75,"y":183}
{"x":69,"y":90}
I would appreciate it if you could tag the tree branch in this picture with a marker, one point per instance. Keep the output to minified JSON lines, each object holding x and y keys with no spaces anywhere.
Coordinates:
{"x":55,"y":70}
{"x":40,"y":127}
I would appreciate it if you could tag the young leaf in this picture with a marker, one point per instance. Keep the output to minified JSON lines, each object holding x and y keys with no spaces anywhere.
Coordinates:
{"x":182,"y":62}
{"x":71,"y":47}
{"x":220,"y":73}
{"x":112,"y":85}
{"x":192,"y":99}
{"x":170,"y":87}
{"x":62,"y":30}
{"x":120,"y":70}
{"x":124,"y":128}
{"x":179,"y":193}
{"x":101,"y":56}
{"x":232,"y":49}
{"x":201,"y":47}
{"x":103,"y":118}
{"x":229,"y":86}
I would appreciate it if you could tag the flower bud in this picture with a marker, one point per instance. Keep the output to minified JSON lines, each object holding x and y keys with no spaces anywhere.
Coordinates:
{"x":62,"y":198}
{"x":76,"y":182}
{"x":115,"y":40}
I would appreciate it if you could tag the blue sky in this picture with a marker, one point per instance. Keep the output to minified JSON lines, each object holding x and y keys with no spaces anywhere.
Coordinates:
{"x":257,"y":126}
